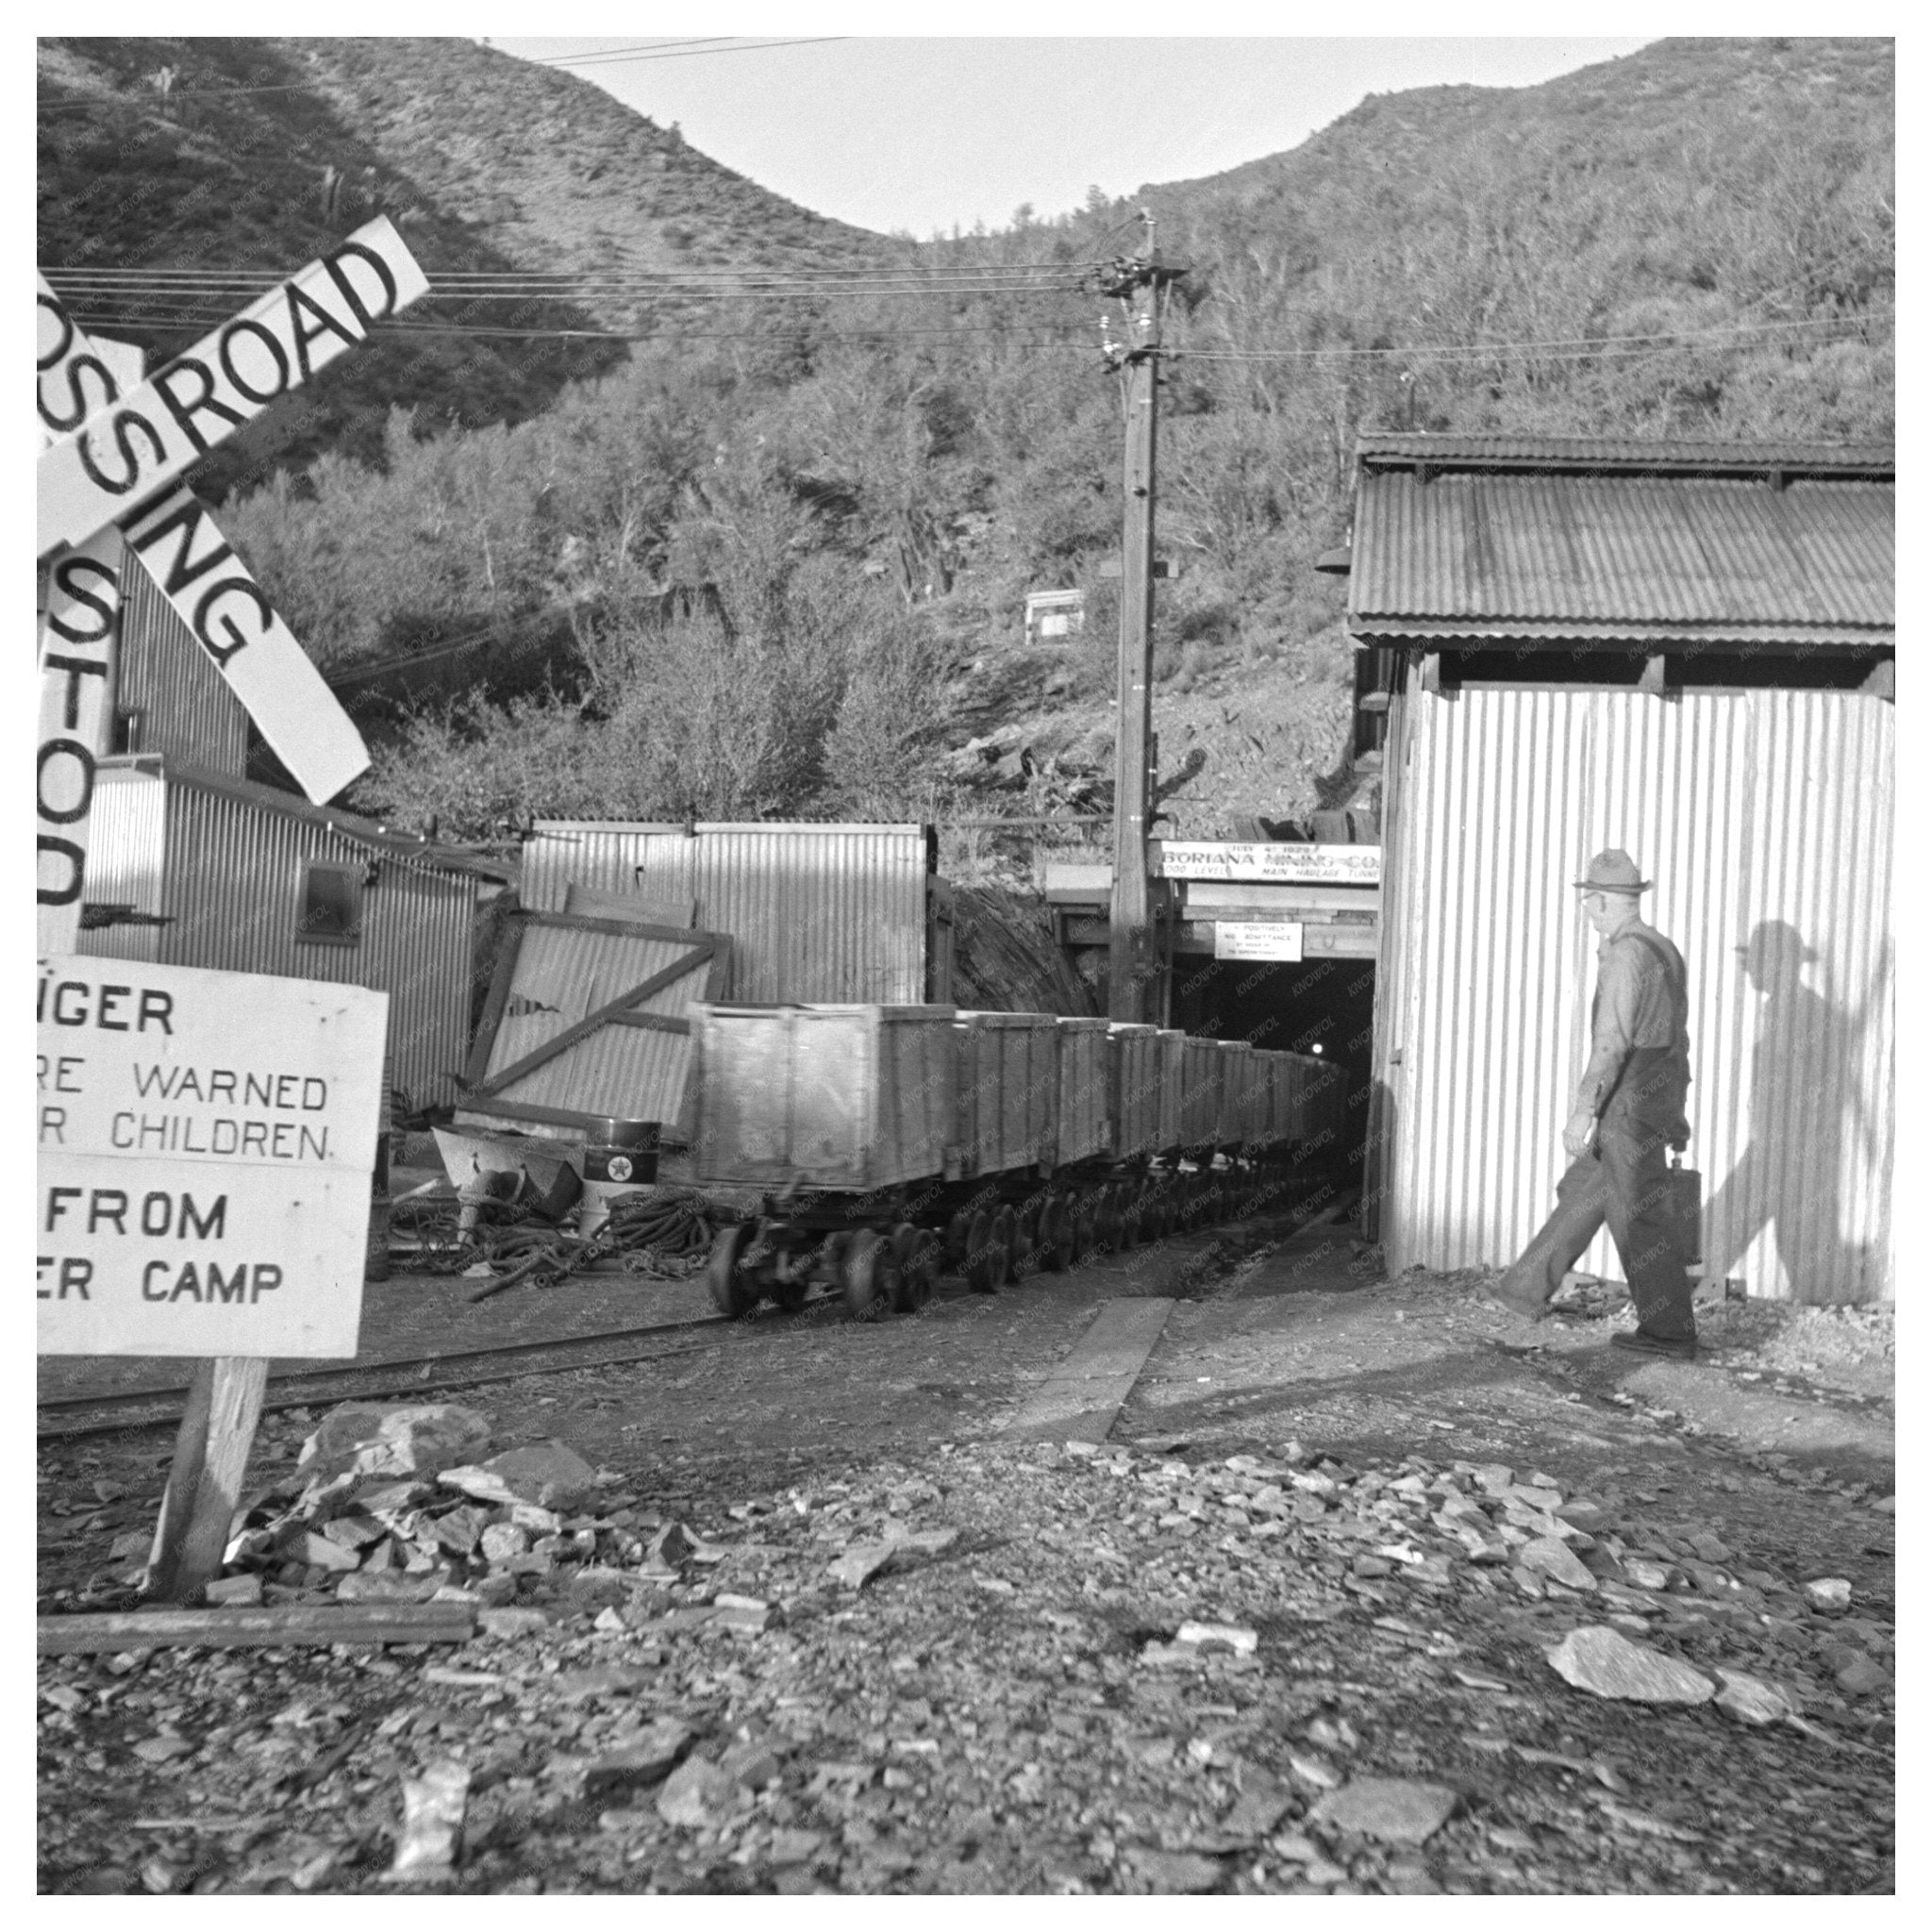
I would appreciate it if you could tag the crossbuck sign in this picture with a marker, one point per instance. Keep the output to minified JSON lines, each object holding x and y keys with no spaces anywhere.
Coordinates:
{"x":107,"y":484}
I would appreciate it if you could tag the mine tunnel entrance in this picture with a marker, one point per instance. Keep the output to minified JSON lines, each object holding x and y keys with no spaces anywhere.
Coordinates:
{"x":1323,"y":1008}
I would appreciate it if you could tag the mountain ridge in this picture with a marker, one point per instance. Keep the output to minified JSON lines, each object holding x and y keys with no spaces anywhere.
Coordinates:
{"x":772,"y":561}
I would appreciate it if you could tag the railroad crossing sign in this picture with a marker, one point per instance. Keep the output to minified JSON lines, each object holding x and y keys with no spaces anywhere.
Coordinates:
{"x":204,"y":1191}
{"x":114,"y":458}
{"x":110,"y":452}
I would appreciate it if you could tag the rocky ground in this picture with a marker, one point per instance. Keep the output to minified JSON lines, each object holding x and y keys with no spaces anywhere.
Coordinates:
{"x":815,"y":1619}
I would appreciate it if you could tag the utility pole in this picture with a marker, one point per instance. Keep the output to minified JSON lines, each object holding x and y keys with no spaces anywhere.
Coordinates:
{"x":1132,"y":968}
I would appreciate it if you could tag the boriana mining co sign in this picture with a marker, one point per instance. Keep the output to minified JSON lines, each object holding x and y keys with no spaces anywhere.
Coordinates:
{"x":206,"y":1141}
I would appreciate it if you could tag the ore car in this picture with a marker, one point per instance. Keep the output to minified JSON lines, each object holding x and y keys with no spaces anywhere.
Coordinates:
{"x":889,"y":1144}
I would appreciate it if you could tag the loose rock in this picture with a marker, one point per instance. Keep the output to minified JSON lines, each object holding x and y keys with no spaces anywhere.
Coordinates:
{"x":695,"y":1796}
{"x":1546,"y":1555}
{"x":1175,"y":1872}
{"x":552,"y":1474}
{"x":1606,"y":1663}
{"x":638,"y":1757}
{"x":1750,"y":1700}
{"x":1862,"y":1677}
{"x":357,"y":1439}
{"x":1233,"y":1635}
{"x":1395,"y":1811}
{"x":433,"y":1809}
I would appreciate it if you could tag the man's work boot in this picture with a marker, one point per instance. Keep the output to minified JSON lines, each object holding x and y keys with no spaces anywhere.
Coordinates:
{"x":1640,"y":1341}
{"x":1530,"y":1305}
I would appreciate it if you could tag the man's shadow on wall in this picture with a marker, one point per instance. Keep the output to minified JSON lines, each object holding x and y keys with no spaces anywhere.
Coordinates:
{"x":1807,"y":1114}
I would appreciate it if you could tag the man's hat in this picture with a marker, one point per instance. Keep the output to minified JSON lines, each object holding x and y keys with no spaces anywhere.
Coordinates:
{"x":1612,"y":872}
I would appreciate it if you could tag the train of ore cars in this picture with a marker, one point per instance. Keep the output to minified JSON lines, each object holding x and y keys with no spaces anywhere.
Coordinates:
{"x":889,"y":1144}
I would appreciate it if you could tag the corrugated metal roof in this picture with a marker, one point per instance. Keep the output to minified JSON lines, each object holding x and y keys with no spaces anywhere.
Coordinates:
{"x":1638,"y":556}
{"x":1589,"y":453}
{"x":330,"y":818}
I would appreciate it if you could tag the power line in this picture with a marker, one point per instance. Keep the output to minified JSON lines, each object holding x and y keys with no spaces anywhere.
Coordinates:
{"x":1578,"y":349}
{"x":589,"y":285}
{"x":1556,"y":348}
{"x":915,"y":271}
{"x":213,"y":318}
{"x":668,"y":50}
{"x":620,"y":53}
{"x":678,"y":53}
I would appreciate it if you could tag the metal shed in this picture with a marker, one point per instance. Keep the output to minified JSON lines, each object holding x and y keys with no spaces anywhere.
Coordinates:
{"x":169,"y":699}
{"x":1685,"y":651}
{"x":192,"y":868}
{"x":819,"y":913}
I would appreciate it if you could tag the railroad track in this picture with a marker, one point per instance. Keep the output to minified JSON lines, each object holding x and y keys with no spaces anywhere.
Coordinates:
{"x":151,"y":1409}
{"x":147,"y":1409}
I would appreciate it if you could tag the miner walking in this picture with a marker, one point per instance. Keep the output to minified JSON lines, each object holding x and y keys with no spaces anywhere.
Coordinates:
{"x":1629,"y":1108}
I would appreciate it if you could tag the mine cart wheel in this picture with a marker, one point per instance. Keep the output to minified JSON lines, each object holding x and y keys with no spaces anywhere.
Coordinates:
{"x":1112,"y":1220}
{"x":1147,"y":1200}
{"x":1106,"y":1220}
{"x":1196,"y":1213}
{"x":730,"y":1291}
{"x":978,"y":1264}
{"x":1056,"y":1234}
{"x":863,"y":1274}
{"x":1003,"y":1242}
{"x":1186,"y":1202}
{"x":1157,"y":1216}
{"x":953,"y":1243}
{"x":918,"y":1268}
{"x":902,"y":1244}
{"x":1086,"y":1231}
{"x":1027,"y":1240}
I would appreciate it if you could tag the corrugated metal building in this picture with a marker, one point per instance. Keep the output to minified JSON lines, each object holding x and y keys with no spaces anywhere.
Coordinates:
{"x":169,"y":699}
{"x":1685,"y":651}
{"x":195,"y":868}
{"x":815,"y":912}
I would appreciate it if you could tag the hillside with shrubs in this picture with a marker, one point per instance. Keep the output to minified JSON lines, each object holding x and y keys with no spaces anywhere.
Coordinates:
{"x":764,"y":550}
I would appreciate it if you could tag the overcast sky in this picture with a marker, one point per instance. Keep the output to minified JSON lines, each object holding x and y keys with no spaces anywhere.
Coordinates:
{"x":925,"y":134}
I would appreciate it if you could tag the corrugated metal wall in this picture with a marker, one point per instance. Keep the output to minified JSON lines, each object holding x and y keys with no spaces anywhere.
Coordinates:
{"x":1766,"y":819}
{"x":188,"y":711}
{"x":631,"y":1072}
{"x":127,"y":840}
{"x":814,"y":913}
{"x":229,"y":874}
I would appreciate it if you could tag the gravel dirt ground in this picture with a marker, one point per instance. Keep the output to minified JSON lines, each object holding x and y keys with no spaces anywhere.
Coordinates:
{"x":1395,"y":1498}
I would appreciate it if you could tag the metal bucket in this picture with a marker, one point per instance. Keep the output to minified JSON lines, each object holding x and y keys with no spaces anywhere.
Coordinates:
{"x":619,"y":1159}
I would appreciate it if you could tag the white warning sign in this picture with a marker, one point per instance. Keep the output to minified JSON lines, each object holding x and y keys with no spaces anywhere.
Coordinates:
{"x":205,"y":1147}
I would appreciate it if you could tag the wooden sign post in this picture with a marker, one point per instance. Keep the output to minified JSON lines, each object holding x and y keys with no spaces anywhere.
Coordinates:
{"x":206,"y":1139}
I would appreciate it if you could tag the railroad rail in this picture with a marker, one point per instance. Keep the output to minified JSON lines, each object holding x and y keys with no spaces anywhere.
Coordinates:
{"x":142,"y":1409}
